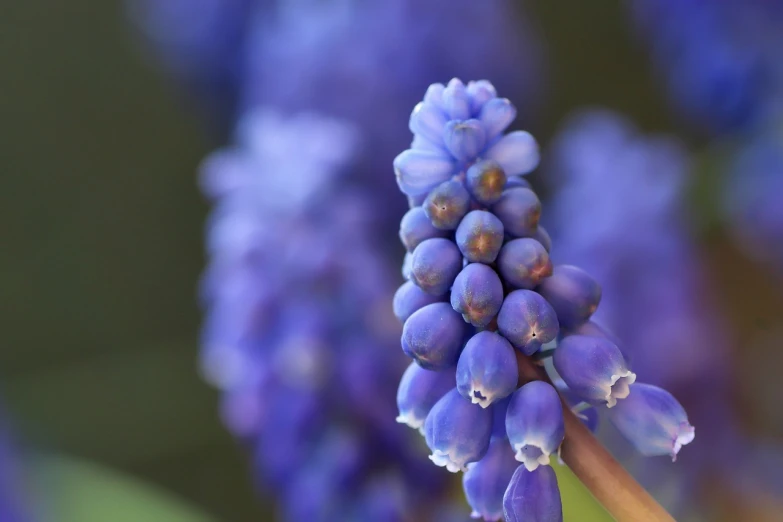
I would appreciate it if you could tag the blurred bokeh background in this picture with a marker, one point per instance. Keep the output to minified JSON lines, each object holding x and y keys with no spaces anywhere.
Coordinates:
{"x":104,"y":128}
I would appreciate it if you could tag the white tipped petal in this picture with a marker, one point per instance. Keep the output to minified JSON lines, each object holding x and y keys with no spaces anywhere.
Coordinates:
{"x":686,"y":436}
{"x":411,"y":420}
{"x":619,"y":387}
{"x":531,"y":455}
{"x":444,"y":460}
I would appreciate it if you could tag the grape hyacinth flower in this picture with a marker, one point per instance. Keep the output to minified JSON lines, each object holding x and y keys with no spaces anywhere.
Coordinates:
{"x":593,"y":368}
{"x":533,"y":495}
{"x":657,"y":306}
{"x":477,"y":294}
{"x":487,"y":369}
{"x":299,"y":337}
{"x":485,"y":481}
{"x":719,"y":60}
{"x":653,"y":420}
{"x":504,"y":304}
{"x":419,"y":390}
{"x":341,"y":57}
{"x":457,"y":431}
{"x":534,"y":423}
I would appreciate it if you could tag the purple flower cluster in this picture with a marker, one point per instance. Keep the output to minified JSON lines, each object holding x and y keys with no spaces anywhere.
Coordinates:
{"x":719,"y":59}
{"x":657,"y":298}
{"x":298,"y":331}
{"x":361,"y":61}
{"x":482,"y":292}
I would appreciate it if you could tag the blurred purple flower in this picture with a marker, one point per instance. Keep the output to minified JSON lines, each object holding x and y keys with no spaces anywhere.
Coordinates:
{"x":719,"y":59}
{"x":299,"y":334}
{"x":656,"y":296}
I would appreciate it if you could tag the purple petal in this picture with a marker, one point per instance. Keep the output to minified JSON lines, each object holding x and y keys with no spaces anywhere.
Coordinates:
{"x":456,"y":100}
{"x":516,"y":152}
{"x":428,"y":120}
{"x":534,"y":423}
{"x":464,"y":139}
{"x":653,"y":420}
{"x":496,"y":115}
{"x":419,"y":171}
{"x":533,"y":496}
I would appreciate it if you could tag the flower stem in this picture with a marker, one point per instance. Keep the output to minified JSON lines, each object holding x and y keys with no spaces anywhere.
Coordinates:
{"x":594,"y":466}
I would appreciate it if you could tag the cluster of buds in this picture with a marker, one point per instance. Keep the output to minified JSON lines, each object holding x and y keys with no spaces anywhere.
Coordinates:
{"x":481,"y":294}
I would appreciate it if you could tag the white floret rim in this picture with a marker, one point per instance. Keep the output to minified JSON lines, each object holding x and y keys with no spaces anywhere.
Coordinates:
{"x":531,"y":464}
{"x":619,"y":387}
{"x":483,"y":399}
{"x":411,"y":420}
{"x":444,"y":460}
{"x":685,"y":436}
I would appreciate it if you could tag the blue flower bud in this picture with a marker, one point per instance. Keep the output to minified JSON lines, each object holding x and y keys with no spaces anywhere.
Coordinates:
{"x":435,"y":264}
{"x":464,"y":139}
{"x":480,"y":236}
{"x":447,"y":204}
{"x":477,"y":294}
{"x":524,"y":263}
{"x":485,"y":181}
{"x":428,"y":121}
{"x":496,"y":115}
{"x":457,"y":432}
{"x":433,"y":336}
{"x":517,"y":152}
{"x":487,"y":369}
{"x":456,"y":100}
{"x":534,"y":423}
{"x":593,"y":368}
{"x":434,"y":95}
{"x":527,"y":321}
{"x":480,"y":92}
{"x":653,"y":421}
{"x":419,"y":171}
{"x":542,"y":236}
{"x":595,"y":329}
{"x":416,"y":227}
{"x":573,"y":293}
{"x":486,"y":481}
{"x":418,"y":392}
{"x":410,"y":298}
{"x":519,"y":209}
{"x":533,"y":496}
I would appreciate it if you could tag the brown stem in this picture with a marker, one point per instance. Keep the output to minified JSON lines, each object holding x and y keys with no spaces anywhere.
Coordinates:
{"x":606,"y":479}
